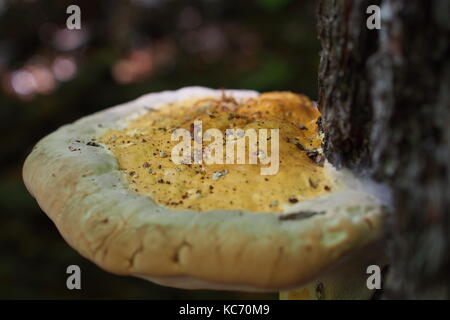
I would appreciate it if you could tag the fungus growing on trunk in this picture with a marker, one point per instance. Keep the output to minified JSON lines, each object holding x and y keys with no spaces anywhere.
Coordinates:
{"x":223,"y":226}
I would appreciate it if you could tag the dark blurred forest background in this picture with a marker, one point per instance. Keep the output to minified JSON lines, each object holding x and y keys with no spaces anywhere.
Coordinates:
{"x":50,"y":76}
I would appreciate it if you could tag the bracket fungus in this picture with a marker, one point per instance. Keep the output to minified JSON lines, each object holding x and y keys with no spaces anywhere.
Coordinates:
{"x":112,"y":187}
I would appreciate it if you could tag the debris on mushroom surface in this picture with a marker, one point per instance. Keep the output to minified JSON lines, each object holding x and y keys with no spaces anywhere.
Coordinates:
{"x":308,"y":226}
{"x":218,"y":174}
{"x":287,"y":112}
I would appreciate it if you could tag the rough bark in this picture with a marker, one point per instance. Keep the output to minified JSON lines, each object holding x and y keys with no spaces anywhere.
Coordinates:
{"x":393,"y":118}
{"x":344,"y":96}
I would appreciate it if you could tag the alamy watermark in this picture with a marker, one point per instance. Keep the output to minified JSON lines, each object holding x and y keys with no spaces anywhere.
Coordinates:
{"x":73,"y":22}
{"x":374,"y":20}
{"x":191,"y":151}
{"x":74,"y":280}
{"x":374,"y":280}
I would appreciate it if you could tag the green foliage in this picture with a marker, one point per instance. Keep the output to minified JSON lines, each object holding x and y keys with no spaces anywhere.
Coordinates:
{"x":273,"y":5}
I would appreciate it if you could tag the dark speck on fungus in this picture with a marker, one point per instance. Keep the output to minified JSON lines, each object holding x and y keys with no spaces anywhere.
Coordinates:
{"x":299,"y":215}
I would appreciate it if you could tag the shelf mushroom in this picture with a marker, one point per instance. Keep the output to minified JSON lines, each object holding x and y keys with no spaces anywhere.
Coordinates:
{"x":211,"y":218}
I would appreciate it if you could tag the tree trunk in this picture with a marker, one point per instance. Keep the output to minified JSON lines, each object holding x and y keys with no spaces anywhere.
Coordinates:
{"x":386,"y":110}
{"x":344,"y":84}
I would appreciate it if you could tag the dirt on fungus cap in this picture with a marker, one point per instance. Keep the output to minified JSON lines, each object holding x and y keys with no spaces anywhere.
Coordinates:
{"x":80,"y":187}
